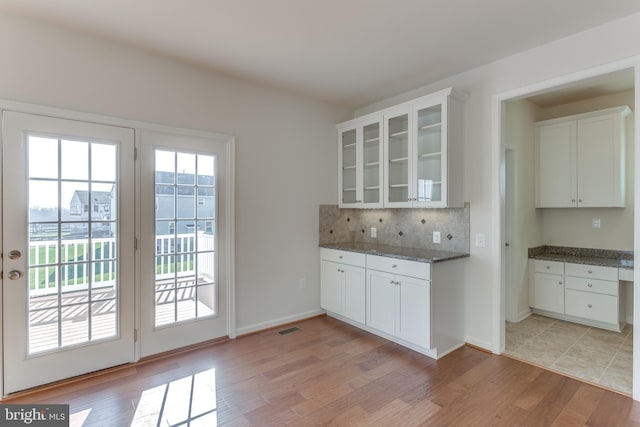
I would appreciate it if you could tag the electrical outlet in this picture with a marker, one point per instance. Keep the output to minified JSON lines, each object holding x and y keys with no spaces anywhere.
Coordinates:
{"x":595,"y":223}
{"x":436,"y":237}
{"x":302,"y":283}
{"x":480,"y":240}
{"x":374,"y":232}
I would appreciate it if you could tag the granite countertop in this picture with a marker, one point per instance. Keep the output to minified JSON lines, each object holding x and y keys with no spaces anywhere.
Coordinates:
{"x":411,"y":254}
{"x":605,"y":258}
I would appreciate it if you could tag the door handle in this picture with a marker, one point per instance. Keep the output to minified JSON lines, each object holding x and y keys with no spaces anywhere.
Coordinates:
{"x":14,"y":275}
{"x":14,"y":254}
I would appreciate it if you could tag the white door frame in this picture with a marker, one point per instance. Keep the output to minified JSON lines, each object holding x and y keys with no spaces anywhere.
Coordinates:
{"x":497,"y":154}
{"x":511,"y":236}
{"x":229,"y":207}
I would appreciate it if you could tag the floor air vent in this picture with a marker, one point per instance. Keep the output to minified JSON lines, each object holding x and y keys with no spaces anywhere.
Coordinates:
{"x":288,"y":331}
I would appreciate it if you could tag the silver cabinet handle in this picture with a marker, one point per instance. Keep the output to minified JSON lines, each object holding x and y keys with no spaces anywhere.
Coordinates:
{"x":560,"y":282}
{"x":14,"y":275}
{"x":590,"y":272}
{"x":394,"y":266}
{"x":548,"y":267}
{"x":589,"y":305}
{"x":590,"y":285}
{"x":580,"y":200}
{"x":14,"y":254}
{"x":573,"y":200}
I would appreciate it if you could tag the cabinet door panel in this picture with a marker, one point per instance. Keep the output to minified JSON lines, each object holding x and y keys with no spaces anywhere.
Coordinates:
{"x":600,"y":170}
{"x":331,"y":295}
{"x":354,"y":293}
{"x":601,"y":308}
{"x":556,"y":168}
{"x":381,"y":301}
{"x":414,"y":311}
{"x":397,"y":144}
{"x":430,"y":158}
{"x":549,"y":292}
{"x":349,"y":173}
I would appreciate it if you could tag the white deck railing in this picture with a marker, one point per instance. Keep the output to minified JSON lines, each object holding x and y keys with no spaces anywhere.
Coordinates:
{"x":76,"y":271}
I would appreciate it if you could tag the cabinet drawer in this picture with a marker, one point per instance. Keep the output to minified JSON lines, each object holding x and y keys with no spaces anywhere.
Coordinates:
{"x":550,"y":267}
{"x":421,"y":270}
{"x":601,"y":308}
{"x":343,"y":257}
{"x":592,"y":285}
{"x":591,"y":271}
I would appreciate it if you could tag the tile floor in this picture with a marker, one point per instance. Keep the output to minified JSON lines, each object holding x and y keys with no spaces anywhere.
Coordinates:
{"x":592,"y":354}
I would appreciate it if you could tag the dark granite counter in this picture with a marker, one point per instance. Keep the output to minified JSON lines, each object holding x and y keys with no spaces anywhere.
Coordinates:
{"x":602,"y":257}
{"x":411,"y":254}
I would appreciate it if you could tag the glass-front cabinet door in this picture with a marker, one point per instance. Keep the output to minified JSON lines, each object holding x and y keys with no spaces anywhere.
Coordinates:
{"x":360,"y":153}
{"x":429,"y":178}
{"x":398,"y":181}
{"x":348,"y":167}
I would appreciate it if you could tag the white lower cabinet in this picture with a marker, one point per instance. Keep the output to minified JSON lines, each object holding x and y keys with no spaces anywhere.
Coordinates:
{"x":578,"y":292}
{"x":416,"y":304}
{"x":549,"y":292}
{"x":343,"y":285}
{"x":400,"y":306}
{"x":592,"y":306}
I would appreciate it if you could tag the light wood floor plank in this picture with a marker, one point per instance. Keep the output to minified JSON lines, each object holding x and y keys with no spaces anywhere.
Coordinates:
{"x":329,"y":373}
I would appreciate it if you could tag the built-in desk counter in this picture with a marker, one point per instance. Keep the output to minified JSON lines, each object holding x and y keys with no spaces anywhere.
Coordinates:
{"x":580,"y":285}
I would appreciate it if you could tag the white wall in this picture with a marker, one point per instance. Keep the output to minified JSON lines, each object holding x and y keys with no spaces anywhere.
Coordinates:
{"x":572,"y":227}
{"x":519,"y":133}
{"x":286,"y":158}
{"x":601,"y":45}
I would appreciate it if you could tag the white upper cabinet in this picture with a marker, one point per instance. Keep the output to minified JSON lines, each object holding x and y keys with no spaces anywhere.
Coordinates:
{"x":417,"y":163}
{"x":423,"y":152}
{"x":580,"y":160}
{"x":360,"y":160}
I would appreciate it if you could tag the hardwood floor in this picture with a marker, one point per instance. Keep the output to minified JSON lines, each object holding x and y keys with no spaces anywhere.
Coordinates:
{"x":329,"y":373}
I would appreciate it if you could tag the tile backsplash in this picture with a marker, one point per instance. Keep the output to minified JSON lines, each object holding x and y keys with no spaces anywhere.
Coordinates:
{"x":410,"y":228}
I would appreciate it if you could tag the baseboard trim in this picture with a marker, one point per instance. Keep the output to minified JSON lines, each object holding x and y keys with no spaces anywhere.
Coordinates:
{"x":479,"y":344}
{"x":259,"y":327}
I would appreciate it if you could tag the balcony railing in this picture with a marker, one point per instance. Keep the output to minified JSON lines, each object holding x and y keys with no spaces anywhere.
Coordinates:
{"x":78,"y":269}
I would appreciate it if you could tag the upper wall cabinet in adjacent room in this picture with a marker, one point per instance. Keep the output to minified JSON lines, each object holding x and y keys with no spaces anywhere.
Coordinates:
{"x":422,"y":161}
{"x":580,"y":160}
{"x":360,"y":162}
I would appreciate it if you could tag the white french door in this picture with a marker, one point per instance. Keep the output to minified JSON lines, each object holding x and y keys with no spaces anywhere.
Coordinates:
{"x":183,"y":235}
{"x":68,"y":248}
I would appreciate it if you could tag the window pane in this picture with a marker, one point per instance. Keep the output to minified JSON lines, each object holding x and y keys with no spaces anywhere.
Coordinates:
{"x":43,"y":157}
{"x":186,"y":168}
{"x":43,"y":201}
{"x":103,"y":162}
{"x":75,"y":160}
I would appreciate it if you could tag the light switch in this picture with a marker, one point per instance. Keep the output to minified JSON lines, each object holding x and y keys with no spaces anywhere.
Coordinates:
{"x":595,"y":223}
{"x":480,"y":240}
{"x":436,"y":237}
{"x":374,"y":232}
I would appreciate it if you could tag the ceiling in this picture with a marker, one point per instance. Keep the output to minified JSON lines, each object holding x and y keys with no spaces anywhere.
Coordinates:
{"x":347,"y":52}
{"x":590,"y":88}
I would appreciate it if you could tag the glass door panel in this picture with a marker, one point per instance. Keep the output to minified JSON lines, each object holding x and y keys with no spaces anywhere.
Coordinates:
{"x":398,"y":158}
{"x":372,"y":163}
{"x":185,"y":277}
{"x":348,"y":147}
{"x":429,"y":154}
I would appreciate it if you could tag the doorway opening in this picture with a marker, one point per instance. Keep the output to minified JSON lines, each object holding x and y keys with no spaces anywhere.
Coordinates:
{"x":551,"y":335}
